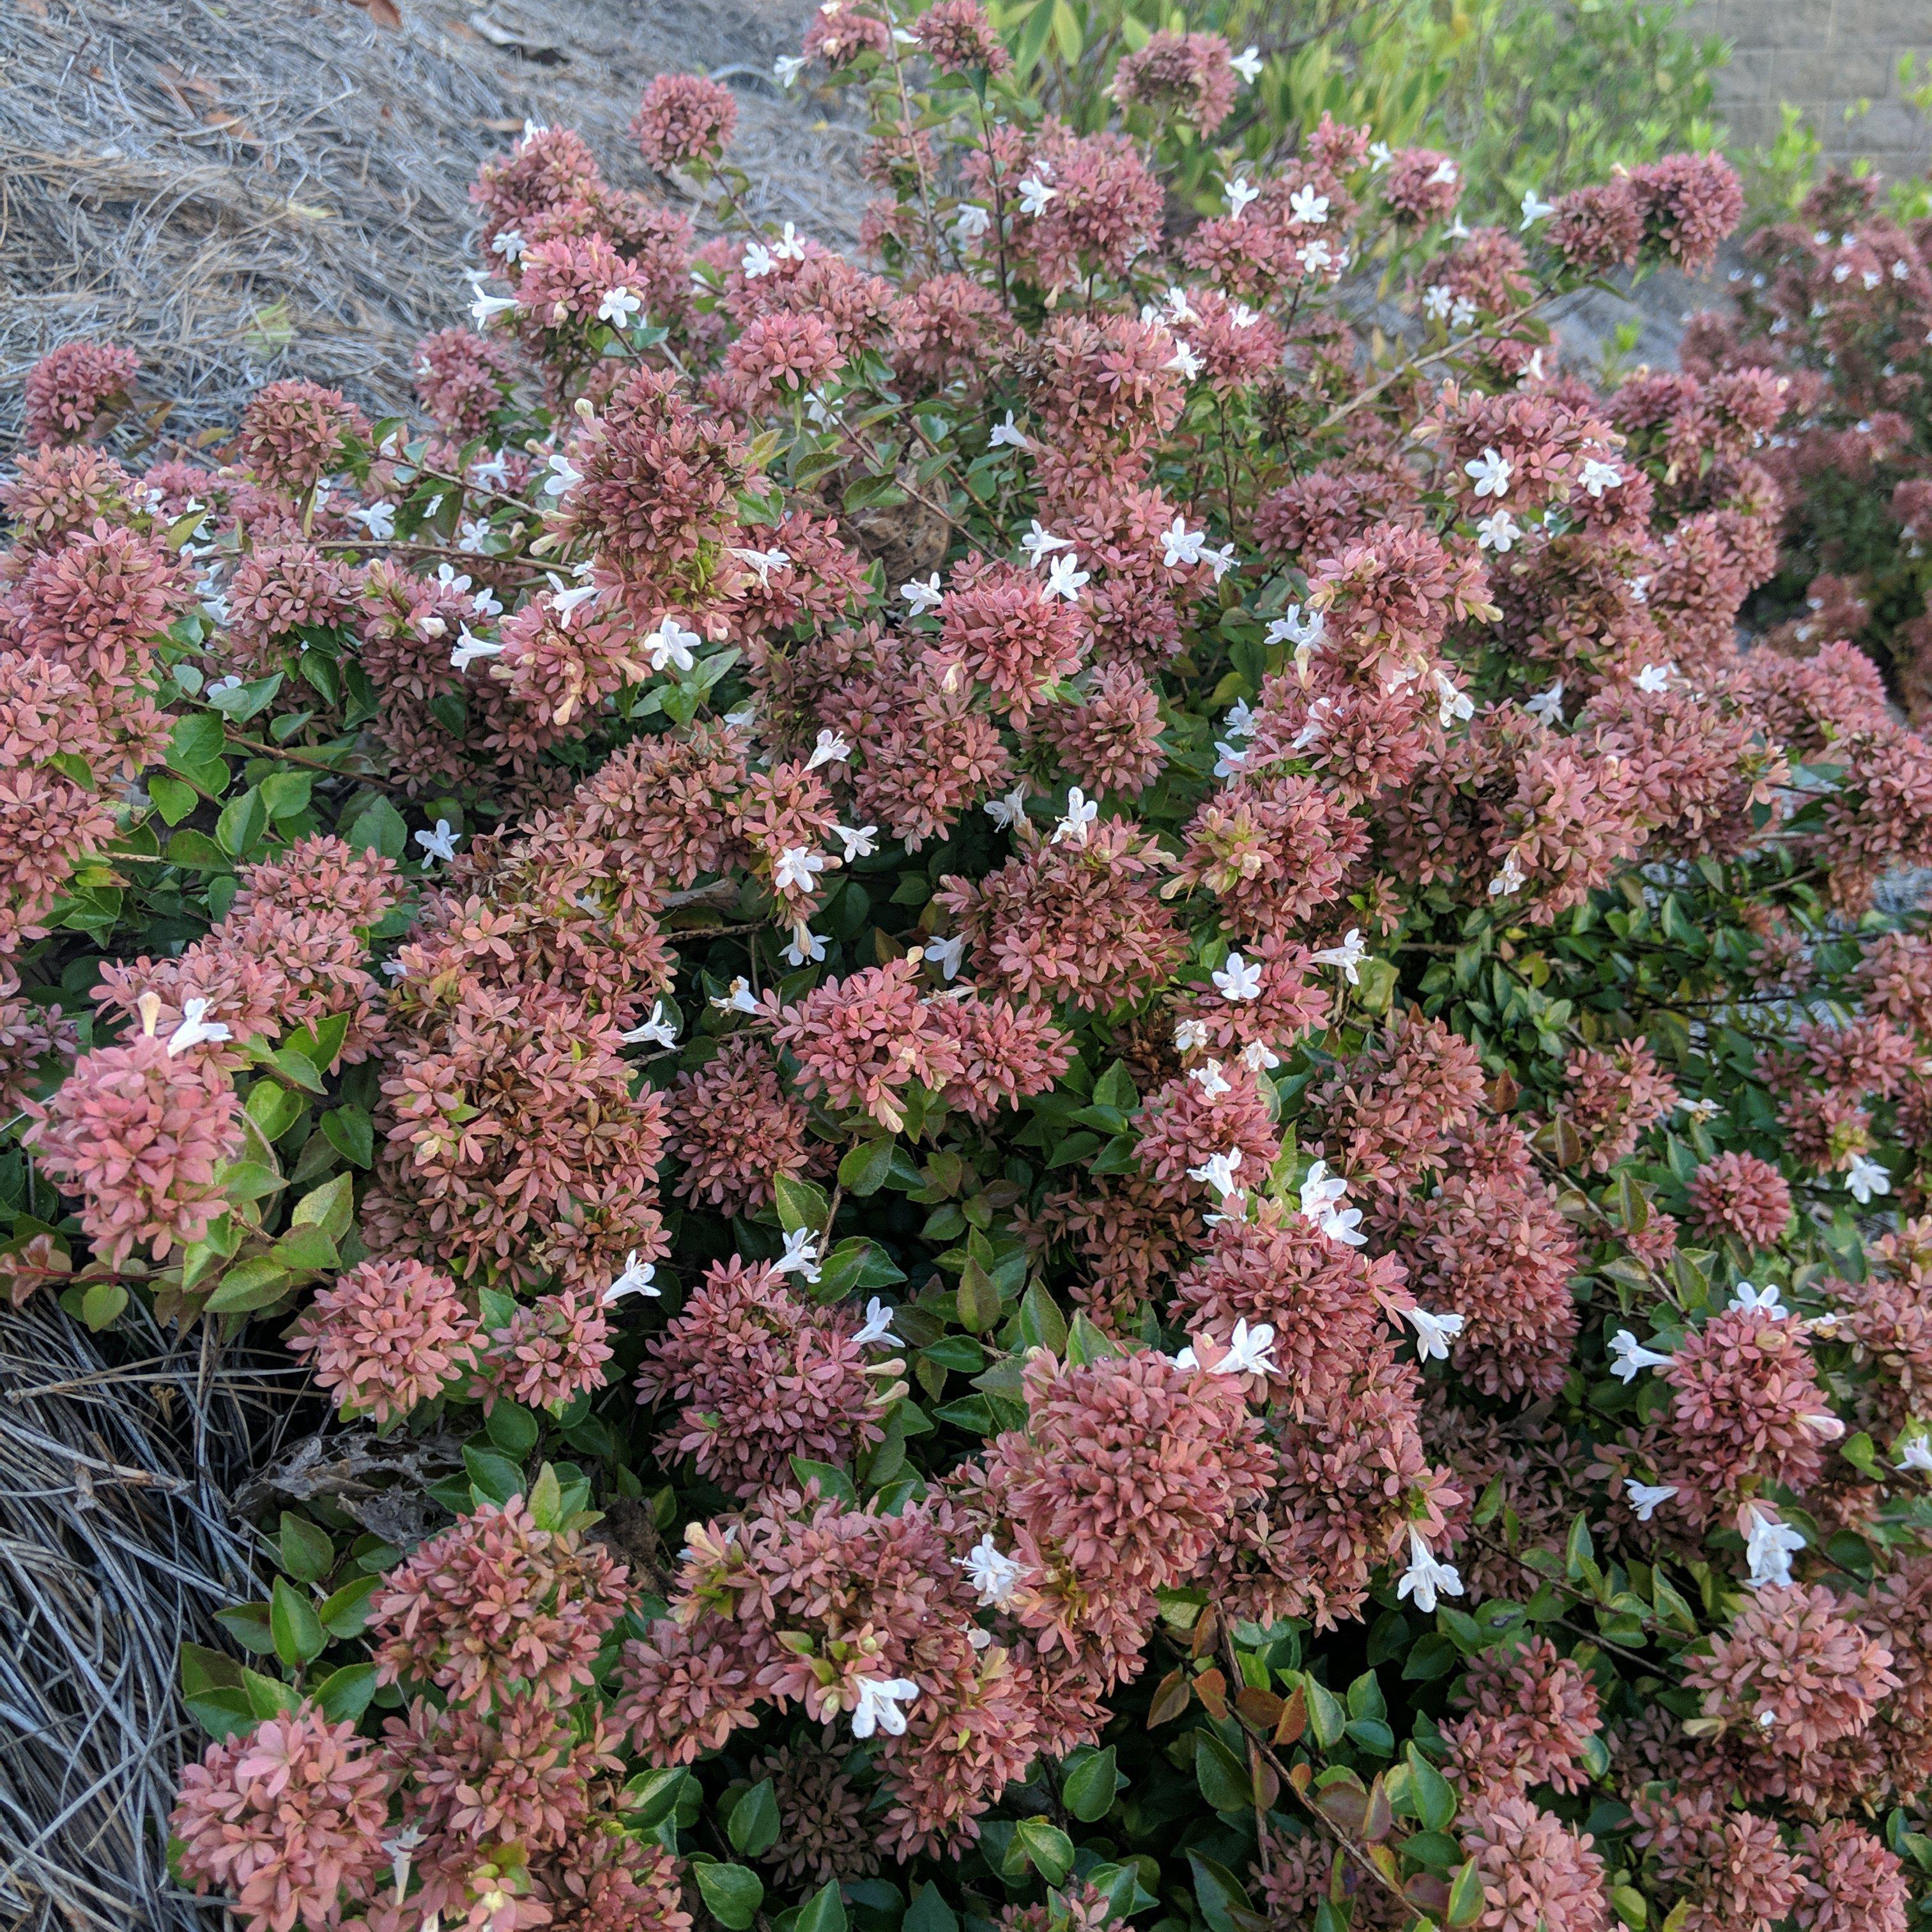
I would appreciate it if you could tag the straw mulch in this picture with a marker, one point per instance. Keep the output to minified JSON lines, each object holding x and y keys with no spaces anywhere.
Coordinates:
{"x":238,"y":187}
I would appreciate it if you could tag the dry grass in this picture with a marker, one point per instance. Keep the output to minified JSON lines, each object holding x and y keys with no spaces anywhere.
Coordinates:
{"x":282,"y":185}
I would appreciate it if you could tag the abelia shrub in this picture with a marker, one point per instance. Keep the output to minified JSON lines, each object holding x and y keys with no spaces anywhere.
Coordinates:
{"x":1161,"y":1145}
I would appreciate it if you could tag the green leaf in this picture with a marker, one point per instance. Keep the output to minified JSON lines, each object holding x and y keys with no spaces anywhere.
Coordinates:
{"x":378,"y":827}
{"x":173,"y":800}
{"x":1223,"y":1778}
{"x":344,"y":1694}
{"x":1086,"y":1343}
{"x":197,"y":740}
{"x":243,"y":821}
{"x":298,"y":1630}
{"x":1465,"y":1895}
{"x":247,"y":1623}
{"x":732,"y":1894}
{"x":653,"y":1795}
{"x":1088,"y":1787}
{"x":307,"y":1553}
{"x":1042,"y":1324}
{"x":273,"y":1108}
{"x":286,"y":793}
{"x":1434,"y":1795}
{"x":349,"y":1130}
{"x":1049,"y":1849}
{"x":495,"y":1477}
{"x":979,"y":1298}
{"x":801,"y":1203}
{"x":753,"y":1824}
{"x":1326,"y":1717}
{"x":865,"y":1168}
{"x":833,"y":1482}
{"x":305,"y":1250}
{"x":268,"y":1696}
{"x":330,"y":1207}
{"x":347,"y":1612}
{"x":824,"y":1911}
{"x":250,"y":1285}
{"x":929,"y":1912}
{"x":512,"y":1428}
{"x":1221,"y":1896}
{"x":197,"y":851}
{"x":101,"y":1304}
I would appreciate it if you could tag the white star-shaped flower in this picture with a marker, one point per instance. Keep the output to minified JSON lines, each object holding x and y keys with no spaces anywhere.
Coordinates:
{"x":790,"y":246}
{"x":1305,"y":205}
{"x":1509,"y":880}
{"x":1597,"y":476}
{"x":671,"y":643}
{"x":1064,"y":577}
{"x":1547,"y":705}
{"x":948,"y":954}
{"x":619,"y":306}
{"x":438,"y":843}
{"x":860,"y":841}
{"x":805,"y":947}
{"x":786,"y":68}
{"x":1208,"y":1078}
{"x":1182,"y":546}
{"x":1426,"y":1579}
{"x":1316,"y":256}
{"x":969,"y":222}
{"x":1534,"y":208}
{"x":1345,"y":1225}
{"x":1320,"y":1191}
{"x":1185,"y":360}
{"x":566,"y":600}
{"x":1490,"y":471}
{"x":1628,"y":1355}
{"x":1452,"y":703}
{"x":1499,"y":532}
{"x":828,"y":749}
{"x":563,"y":477}
{"x":1248,"y":65}
{"x":378,"y":519}
{"x":1259,"y":1057}
{"x":1242,"y":316}
{"x":1380,"y":154}
{"x":1644,"y":1497}
{"x":878,"y":1326}
{"x":797,"y":869}
{"x":1654,"y":678}
{"x":658,"y":1030}
{"x":1433,"y":1332}
{"x":764,"y":561}
{"x":1035,"y":193}
{"x":1765,"y":1301}
{"x":195,"y":1028}
{"x":472,"y":533}
{"x":1768,"y":1549}
{"x":637,"y":1278}
{"x":1241,"y":193}
{"x":1248,"y":1351}
{"x":994,"y":1575}
{"x":1217,"y":1171}
{"x":1239,"y":980}
{"x":509,"y":244}
{"x":1864,"y":1178}
{"x":1189,"y":1035}
{"x":1437,"y":299}
{"x":1081,"y":812}
{"x":1305,"y":634}
{"x":922,"y":595}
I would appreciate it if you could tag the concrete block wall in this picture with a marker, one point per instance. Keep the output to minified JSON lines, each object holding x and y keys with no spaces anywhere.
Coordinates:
{"x":1824,"y":55}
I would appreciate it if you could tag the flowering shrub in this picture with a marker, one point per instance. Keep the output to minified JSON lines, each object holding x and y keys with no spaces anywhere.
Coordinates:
{"x":1148,"y":1124}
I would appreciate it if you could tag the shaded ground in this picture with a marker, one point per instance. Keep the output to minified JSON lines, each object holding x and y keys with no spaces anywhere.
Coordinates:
{"x":282,"y":184}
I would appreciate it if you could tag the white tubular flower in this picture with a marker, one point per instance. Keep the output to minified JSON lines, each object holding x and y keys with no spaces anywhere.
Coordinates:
{"x":1259,"y":1057}
{"x":1182,"y":547}
{"x":1498,"y":532}
{"x":923,"y":596}
{"x":1316,"y":256}
{"x":738,"y":997}
{"x":1509,"y":880}
{"x":797,"y":869}
{"x":1307,"y":633}
{"x":1248,"y":1351}
{"x":1769,"y":1548}
{"x":878,"y":1326}
{"x":1864,"y":1178}
{"x":1305,"y":205}
{"x":860,"y":841}
{"x":1241,"y":192}
{"x":1217,"y":1171}
{"x":1008,"y":811}
{"x":638,"y":1278}
{"x":1426,"y":1579}
{"x":1039,"y":541}
{"x":830,"y":748}
{"x":1490,"y":472}
{"x":1763,"y":1300}
{"x":1826,"y":1427}
{"x":790,"y":246}
{"x":1533,"y":209}
{"x":438,"y":843}
{"x":1644,"y":1497}
{"x":378,"y":519}
{"x":567,"y":602}
{"x":1208,"y":1077}
{"x":1185,"y":360}
{"x":1239,"y":980}
{"x":969,"y":222}
{"x":1433,"y":1332}
{"x":195,"y":1028}
{"x":1064,"y":578}
{"x":800,"y":1256}
{"x":1628,"y":1355}
{"x":948,"y":954}
{"x":1452,"y":703}
{"x":1081,"y":812}
{"x":1189,"y":1035}
{"x":1347,"y":958}
{"x":878,"y":1709}
{"x":786,"y":68}
{"x":619,"y":306}
{"x":658,"y":1030}
{"x":804,"y":946}
{"x":1597,"y":476}
{"x":1654,"y":678}
{"x":1035,"y":193}
{"x":1547,"y":705}
{"x":993,"y":1574}
{"x":1005,"y":436}
{"x":509,"y":244}
{"x":563,"y":476}
{"x":1221,"y":561}
{"x":1320,"y":1191}
{"x":670,"y":644}
{"x":1345,"y":1225}
{"x":1915,"y":1455}
{"x":1248,"y":65}
{"x":757,"y":261}
{"x":485,"y":309}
